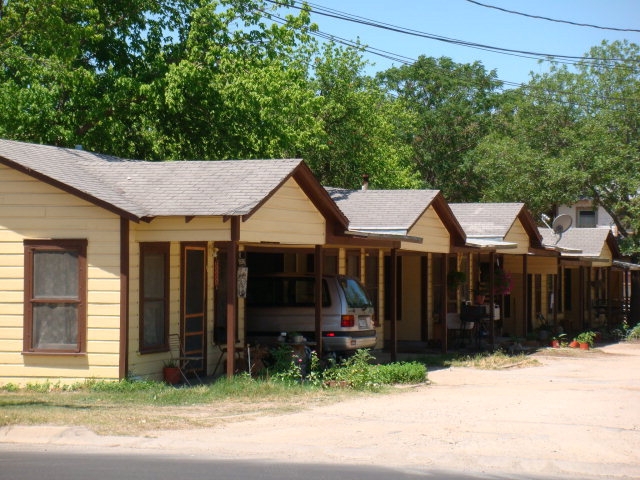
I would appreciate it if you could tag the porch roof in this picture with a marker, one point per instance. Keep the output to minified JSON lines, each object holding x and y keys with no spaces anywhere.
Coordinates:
{"x":583,"y":243}
{"x":488,"y":224}
{"x":142,"y":189}
{"x":393,"y":213}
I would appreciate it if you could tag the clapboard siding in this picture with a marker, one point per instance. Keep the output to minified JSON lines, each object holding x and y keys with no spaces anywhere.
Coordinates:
{"x":30,"y":209}
{"x":288,"y":217}
{"x":435,"y":236}
{"x":178,"y":229}
{"x":517,"y":234}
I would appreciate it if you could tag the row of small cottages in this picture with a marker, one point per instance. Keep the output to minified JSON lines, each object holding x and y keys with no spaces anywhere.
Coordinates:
{"x":102,"y":258}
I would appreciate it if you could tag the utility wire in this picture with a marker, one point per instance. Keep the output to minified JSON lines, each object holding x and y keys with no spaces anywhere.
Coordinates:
{"x":327,"y":12}
{"x":554,"y":19}
{"x":409,"y":61}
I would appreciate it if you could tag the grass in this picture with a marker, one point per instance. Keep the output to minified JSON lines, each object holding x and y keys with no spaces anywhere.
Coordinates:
{"x":140,"y":407}
{"x":133,"y":408}
{"x":484,"y":361}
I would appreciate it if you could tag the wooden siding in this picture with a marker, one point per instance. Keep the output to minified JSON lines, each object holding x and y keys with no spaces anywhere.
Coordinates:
{"x":541,"y":265}
{"x":429,"y":227}
{"x":517,"y":234}
{"x":288,"y":217}
{"x":149,"y":365}
{"x":177,"y":229}
{"x":30,"y":209}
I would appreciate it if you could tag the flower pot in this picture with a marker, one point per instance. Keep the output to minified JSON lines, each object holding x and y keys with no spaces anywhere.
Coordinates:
{"x":584,"y":346}
{"x":171,"y":375}
{"x":555,"y":343}
{"x":574,"y":344}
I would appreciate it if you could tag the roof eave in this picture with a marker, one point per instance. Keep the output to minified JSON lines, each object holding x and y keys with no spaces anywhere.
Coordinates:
{"x":71,"y":190}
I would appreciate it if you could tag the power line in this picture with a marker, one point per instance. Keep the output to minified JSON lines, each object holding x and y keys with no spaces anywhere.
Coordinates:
{"x":409,"y":61}
{"x":339,"y":15}
{"x":553,"y":19}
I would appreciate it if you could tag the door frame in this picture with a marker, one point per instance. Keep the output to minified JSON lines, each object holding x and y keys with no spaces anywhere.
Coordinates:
{"x":185,"y":247}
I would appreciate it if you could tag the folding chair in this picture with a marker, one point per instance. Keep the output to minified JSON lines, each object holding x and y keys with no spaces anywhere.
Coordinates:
{"x":237,"y":352}
{"x":186,"y":363}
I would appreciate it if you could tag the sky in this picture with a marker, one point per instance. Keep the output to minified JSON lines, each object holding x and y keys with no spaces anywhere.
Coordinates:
{"x":467,"y":21}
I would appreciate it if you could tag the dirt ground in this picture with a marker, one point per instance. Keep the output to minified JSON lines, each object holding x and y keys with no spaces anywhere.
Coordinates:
{"x":577,"y":415}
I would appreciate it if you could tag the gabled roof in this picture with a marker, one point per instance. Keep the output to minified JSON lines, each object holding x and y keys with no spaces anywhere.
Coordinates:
{"x":488,"y":224}
{"x":584,"y":243}
{"x":141,"y":189}
{"x":392,"y":212}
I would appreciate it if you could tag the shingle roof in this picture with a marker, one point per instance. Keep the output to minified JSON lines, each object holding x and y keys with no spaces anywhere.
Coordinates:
{"x":392,"y":210}
{"x":587,"y":242}
{"x":486,"y":219}
{"x":148,"y":189}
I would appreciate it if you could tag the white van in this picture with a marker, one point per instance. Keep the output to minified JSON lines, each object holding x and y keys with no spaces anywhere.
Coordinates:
{"x":284,"y":303}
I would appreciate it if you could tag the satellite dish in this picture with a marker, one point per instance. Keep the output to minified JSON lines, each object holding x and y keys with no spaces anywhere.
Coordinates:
{"x":561,"y":224}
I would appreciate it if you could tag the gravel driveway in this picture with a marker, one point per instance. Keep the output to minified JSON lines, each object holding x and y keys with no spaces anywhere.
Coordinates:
{"x":575,"y":416}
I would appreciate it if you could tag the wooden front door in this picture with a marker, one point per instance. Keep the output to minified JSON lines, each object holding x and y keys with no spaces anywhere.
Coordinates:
{"x":194,"y":301}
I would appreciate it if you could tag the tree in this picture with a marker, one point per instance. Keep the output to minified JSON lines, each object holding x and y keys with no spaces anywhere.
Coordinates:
{"x":569,"y":135}
{"x":453,"y":106}
{"x":363,"y":129}
{"x":77,"y":71}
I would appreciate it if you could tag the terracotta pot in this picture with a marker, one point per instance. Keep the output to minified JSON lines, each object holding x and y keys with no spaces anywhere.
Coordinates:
{"x":555,"y":343}
{"x":574,"y":344}
{"x":171,"y":375}
{"x":584,"y":346}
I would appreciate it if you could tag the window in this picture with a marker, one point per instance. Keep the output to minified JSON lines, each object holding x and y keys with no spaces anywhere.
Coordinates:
{"x":55,"y":296}
{"x":586,"y":218}
{"x":154,"y":297}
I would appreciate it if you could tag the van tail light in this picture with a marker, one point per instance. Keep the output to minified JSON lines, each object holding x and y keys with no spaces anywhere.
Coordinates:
{"x":347,"y":321}
{"x":330,"y":334}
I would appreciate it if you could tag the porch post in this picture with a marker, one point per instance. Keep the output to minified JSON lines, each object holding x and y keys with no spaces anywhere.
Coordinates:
{"x":581,"y":297}
{"x":525,"y":295}
{"x":556,"y":294}
{"x":232,"y":275}
{"x":444,"y":298}
{"x":394,"y":305}
{"x":492,"y":261}
{"x":318,"y":298}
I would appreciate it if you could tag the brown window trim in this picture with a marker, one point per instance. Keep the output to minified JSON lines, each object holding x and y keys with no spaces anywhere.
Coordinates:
{"x":32,"y":246}
{"x":164,"y":248}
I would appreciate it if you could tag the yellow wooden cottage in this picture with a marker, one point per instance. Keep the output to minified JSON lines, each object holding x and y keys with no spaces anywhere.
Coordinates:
{"x":593,"y":280}
{"x":412,"y":285}
{"x":514,"y":269}
{"x":101,"y":259}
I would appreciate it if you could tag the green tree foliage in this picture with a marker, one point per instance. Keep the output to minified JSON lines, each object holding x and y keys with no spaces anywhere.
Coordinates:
{"x":195,"y":79}
{"x":453,"y":106}
{"x":568,"y":135}
{"x":77,"y":71}
{"x":363,"y":129}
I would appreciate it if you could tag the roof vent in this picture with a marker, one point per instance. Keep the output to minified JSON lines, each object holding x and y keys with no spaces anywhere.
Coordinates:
{"x":365,"y":182}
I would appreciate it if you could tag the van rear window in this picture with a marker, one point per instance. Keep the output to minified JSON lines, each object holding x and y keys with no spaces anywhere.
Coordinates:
{"x":354,"y":292}
{"x":284,"y":292}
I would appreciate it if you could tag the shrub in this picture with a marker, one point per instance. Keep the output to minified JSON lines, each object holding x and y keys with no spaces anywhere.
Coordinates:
{"x":402,"y":372}
{"x":634,"y":333}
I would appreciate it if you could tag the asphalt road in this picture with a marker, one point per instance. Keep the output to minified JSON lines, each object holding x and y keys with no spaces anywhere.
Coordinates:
{"x":61,"y":464}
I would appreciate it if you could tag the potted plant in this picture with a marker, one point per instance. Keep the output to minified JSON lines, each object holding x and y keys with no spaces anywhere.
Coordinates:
{"x":171,"y":372}
{"x":558,"y":340}
{"x":585,"y":339}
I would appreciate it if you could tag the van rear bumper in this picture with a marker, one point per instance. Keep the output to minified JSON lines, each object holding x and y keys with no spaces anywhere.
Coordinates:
{"x":344,"y":341}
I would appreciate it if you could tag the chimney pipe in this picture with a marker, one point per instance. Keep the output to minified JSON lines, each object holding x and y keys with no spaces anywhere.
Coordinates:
{"x":365,"y":182}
